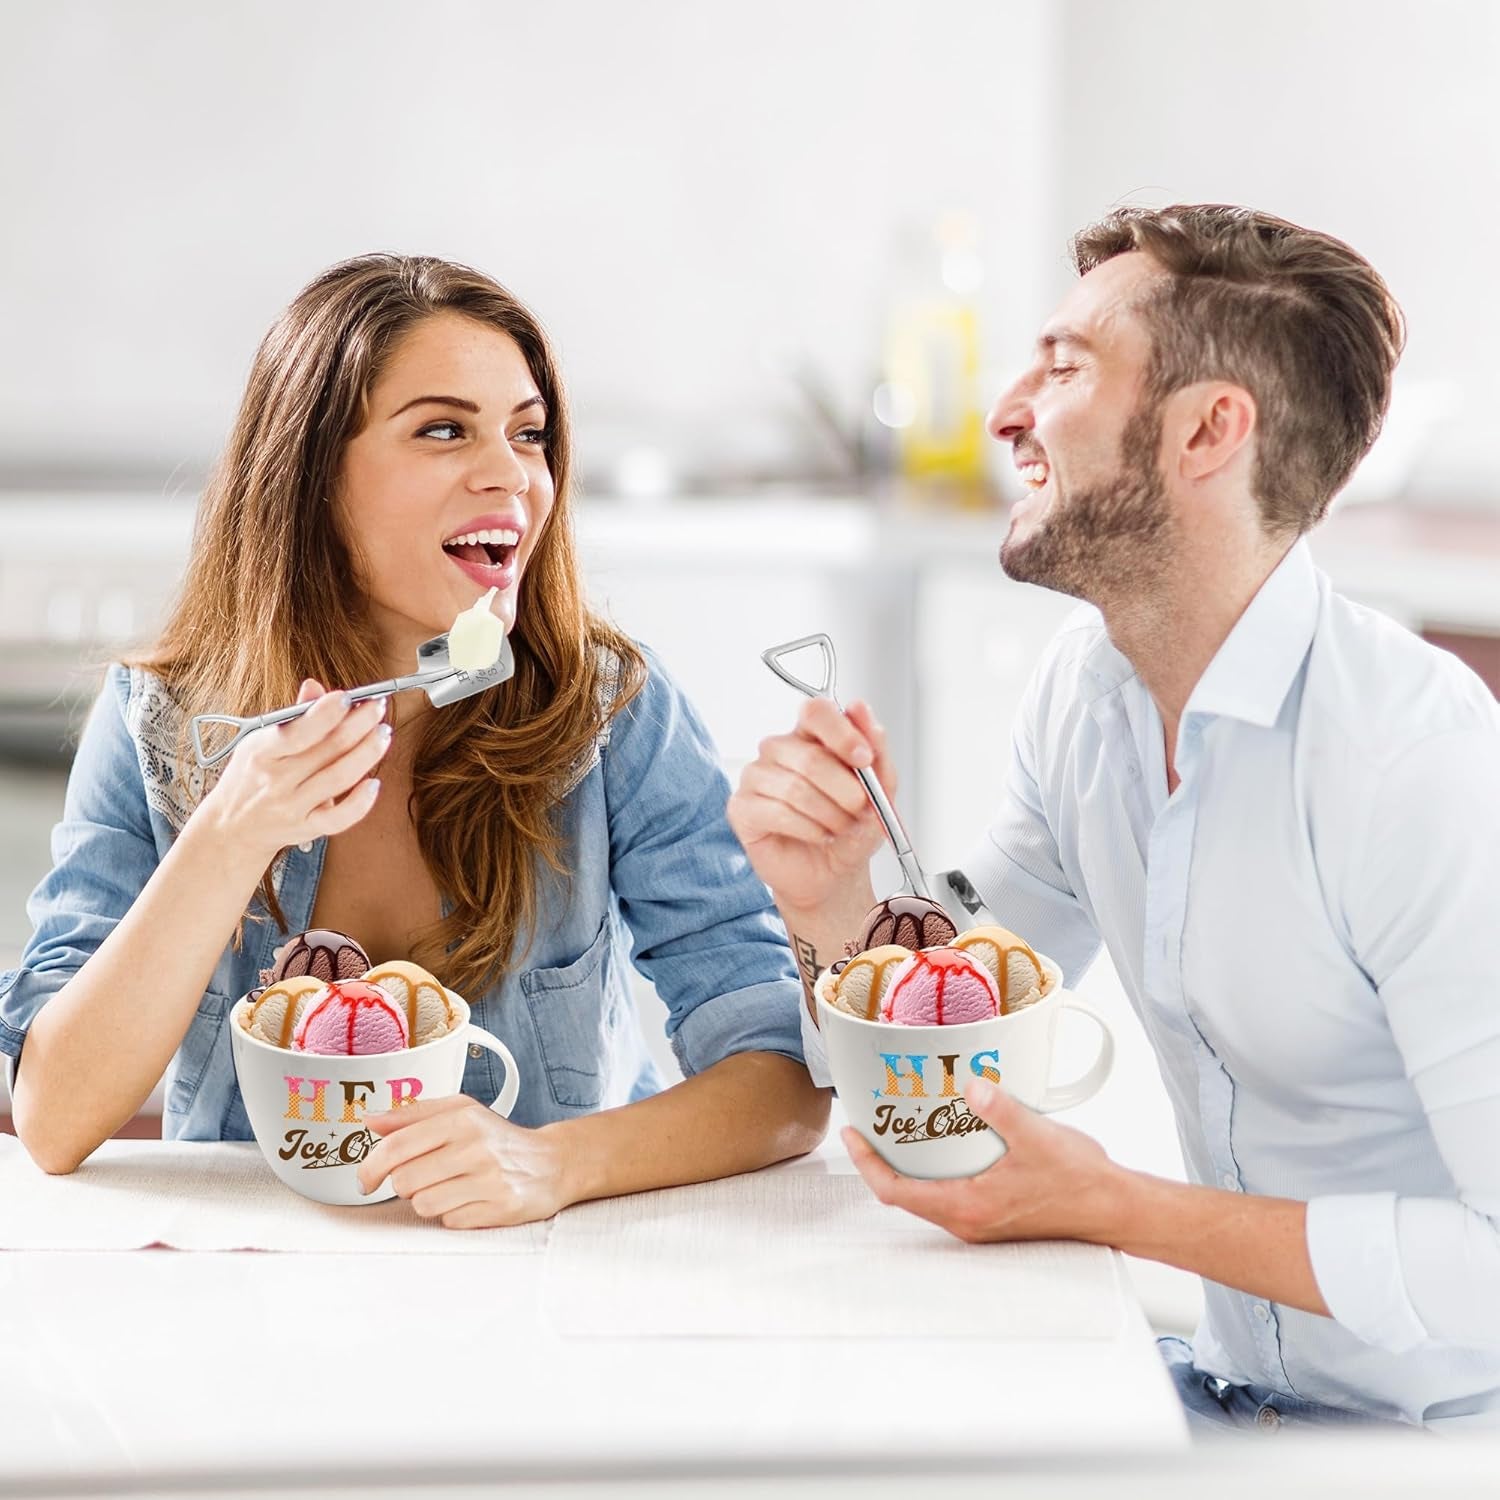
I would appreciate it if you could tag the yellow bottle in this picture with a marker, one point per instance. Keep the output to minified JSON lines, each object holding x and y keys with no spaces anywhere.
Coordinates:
{"x":932,"y":360}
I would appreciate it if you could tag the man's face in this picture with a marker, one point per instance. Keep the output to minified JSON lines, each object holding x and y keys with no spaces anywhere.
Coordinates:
{"x":1095,"y":516}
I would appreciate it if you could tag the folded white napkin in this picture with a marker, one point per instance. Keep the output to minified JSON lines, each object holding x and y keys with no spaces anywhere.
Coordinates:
{"x":209,"y":1195}
{"x":785,"y":1254}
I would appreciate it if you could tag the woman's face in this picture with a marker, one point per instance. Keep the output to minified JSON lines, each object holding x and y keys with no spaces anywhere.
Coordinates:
{"x":445,"y":492}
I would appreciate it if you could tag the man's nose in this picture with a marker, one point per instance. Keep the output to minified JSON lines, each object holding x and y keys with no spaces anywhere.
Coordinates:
{"x":1011,"y":414}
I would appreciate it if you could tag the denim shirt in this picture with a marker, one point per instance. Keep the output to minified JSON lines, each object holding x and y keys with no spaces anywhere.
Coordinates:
{"x":651,"y":860}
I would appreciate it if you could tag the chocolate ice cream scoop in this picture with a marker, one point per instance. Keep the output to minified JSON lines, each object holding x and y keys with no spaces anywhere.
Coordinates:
{"x":909,"y":922}
{"x":324,"y":954}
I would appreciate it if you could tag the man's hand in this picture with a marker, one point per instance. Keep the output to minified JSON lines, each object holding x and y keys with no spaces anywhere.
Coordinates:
{"x":1053,"y":1183}
{"x":457,"y":1161}
{"x":801,"y":813}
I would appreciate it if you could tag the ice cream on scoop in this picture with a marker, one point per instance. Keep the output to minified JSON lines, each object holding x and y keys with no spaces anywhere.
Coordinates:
{"x":324,"y":954}
{"x":860,"y":985}
{"x":940,"y":987}
{"x":276,"y":1010}
{"x":429,"y":1012}
{"x":912,"y":921}
{"x":476,"y":636}
{"x":350,"y":1019}
{"x":1015,"y":968}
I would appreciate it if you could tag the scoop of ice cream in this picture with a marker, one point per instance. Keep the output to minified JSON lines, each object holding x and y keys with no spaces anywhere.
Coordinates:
{"x":860,"y":985}
{"x":324,"y":954}
{"x":475,"y":637}
{"x":1015,"y":968}
{"x":429,"y":1012}
{"x":910,"y":921}
{"x":940,"y":987}
{"x":350,"y":1019}
{"x":275,"y":1011}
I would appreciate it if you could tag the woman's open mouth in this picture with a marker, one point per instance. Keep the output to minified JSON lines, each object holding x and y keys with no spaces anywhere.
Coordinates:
{"x":488,"y":556}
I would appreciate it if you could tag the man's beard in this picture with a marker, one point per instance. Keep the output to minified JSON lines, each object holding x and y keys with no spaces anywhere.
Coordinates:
{"x":1111,"y":536}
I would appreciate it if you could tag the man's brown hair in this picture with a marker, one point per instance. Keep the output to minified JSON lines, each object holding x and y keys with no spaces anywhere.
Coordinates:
{"x":1295,"y":317}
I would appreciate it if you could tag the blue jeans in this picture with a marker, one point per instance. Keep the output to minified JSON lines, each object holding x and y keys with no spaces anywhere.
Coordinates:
{"x":1215,"y":1407}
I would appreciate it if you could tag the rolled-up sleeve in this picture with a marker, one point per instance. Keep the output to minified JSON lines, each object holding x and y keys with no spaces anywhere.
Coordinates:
{"x":103,"y":853}
{"x":1398,"y":1270}
{"x":703,"y":927}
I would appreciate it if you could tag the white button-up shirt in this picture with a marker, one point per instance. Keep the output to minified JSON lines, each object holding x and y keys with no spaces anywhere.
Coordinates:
{"x":1309,"y":931}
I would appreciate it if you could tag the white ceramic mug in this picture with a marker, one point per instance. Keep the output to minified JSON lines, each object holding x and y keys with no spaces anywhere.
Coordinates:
{"x":307,"y":1109}
{"x":902,"y":1086}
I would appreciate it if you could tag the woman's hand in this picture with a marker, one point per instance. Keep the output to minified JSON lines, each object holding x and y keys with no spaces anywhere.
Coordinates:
{"x":801,"y":813}
{"x":302,"y":780}
{"x":453,"y":1159}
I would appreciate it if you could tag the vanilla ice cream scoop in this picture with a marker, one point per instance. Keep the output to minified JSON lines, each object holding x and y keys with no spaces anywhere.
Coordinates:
{"x":1013,"y":965}
{"x":476,"y":636}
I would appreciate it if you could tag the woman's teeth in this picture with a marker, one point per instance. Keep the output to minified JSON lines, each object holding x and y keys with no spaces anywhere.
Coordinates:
{"x":1033,"y":476}
{"x":486,"y":549}
{"x":479,"y":538}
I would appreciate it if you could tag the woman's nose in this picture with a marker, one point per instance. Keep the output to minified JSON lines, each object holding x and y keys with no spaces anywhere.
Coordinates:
{"x":498,"y":466}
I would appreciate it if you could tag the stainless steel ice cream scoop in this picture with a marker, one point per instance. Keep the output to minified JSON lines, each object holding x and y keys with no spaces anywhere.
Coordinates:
{"x":911,"y":870}
{"x":951,"y":889}
{"x":435,"y":675}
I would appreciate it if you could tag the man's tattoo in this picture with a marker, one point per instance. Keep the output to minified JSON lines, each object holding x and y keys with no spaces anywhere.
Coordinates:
{"x":807,"y":963}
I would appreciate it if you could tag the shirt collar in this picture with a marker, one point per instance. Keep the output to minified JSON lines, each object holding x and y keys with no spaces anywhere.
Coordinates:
{"x":1252,"y":672}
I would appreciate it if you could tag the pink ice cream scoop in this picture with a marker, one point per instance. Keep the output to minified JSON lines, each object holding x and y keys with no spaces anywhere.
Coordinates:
{"x":940,"y":987}
{"x":349,"y":1019}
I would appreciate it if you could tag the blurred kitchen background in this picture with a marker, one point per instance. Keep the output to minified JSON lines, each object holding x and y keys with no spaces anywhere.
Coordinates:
{"x":788,"y":253}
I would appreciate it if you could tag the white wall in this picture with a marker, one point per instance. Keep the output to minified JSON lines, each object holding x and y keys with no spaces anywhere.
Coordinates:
{"x":1375,"y":120}
{"x":672,"y":185}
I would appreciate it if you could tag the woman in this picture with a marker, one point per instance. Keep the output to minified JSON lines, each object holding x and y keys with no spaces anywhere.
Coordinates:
{"x":402,"y":447}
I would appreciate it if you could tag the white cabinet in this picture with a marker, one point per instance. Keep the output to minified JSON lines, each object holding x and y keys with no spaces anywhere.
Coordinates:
{"x":978,"y":638}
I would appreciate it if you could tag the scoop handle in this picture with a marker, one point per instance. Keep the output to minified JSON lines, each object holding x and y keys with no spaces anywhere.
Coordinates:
{"x":245,"y":726}
{"x":826,"y":688}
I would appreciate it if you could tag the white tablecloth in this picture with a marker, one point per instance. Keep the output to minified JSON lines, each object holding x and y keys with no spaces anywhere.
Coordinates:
{"x":162,"y":1363}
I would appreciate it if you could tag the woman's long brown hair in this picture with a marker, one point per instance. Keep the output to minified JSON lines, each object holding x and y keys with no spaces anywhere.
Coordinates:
{"x":272,"y":595}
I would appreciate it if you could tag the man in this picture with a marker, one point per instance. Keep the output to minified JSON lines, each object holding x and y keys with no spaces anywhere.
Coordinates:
{"x":1279,"y":811}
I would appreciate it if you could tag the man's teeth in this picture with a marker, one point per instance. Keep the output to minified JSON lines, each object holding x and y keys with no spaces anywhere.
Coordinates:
{"x":1034,"y":476}
{"x":478,"y":538}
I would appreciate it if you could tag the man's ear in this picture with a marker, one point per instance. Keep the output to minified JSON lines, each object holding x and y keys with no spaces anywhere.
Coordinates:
{"x":1218,"y":420}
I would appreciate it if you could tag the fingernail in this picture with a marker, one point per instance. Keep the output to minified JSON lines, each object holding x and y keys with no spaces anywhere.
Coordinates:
{"x":981,"y":1091}
{"x":375,"y":785}
{"x":862,"y":756}
{"x":385,"y":732}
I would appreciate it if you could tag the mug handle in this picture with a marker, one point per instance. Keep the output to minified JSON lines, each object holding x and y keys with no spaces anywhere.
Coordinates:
{"x":1066,"y":1095}
{"x":506,"y":1101}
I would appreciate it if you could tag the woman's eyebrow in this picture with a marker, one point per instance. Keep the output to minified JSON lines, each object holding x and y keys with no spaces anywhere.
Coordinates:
{"x":457,"y":401}
{"x":462,"y":404}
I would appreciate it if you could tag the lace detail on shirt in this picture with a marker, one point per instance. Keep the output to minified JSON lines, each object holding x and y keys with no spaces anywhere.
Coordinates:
{"x":174,"y":784}
{"x":609,"y":685}
{"x":154,"y":719}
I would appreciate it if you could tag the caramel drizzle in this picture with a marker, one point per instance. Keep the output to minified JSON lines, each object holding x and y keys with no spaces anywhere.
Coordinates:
{"x":877,"y":972}
{"x":1003,"y":966}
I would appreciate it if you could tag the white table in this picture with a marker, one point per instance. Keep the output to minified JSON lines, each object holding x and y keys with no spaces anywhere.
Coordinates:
{"x":166,"y":1365}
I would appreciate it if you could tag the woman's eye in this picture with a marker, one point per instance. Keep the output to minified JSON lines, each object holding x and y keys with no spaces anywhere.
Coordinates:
{"x":445,"y":432}
{"x":535,"y":435}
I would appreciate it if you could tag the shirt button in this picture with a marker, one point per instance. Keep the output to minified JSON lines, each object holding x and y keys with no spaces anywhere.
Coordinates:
{"x":1268,"y":1418}
{"x":1263,"y":1312}
{"x":1231,"y":1182}
{"x":475,"y":1050}
{"x":306,"y":848}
